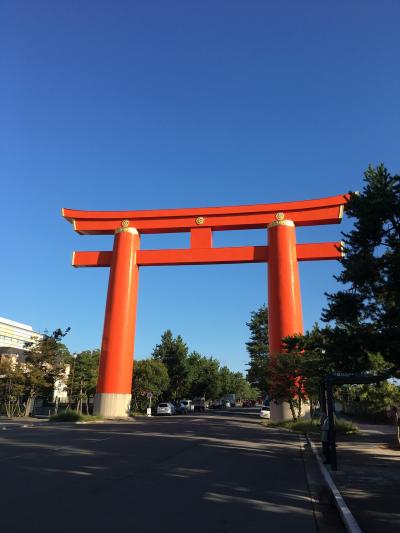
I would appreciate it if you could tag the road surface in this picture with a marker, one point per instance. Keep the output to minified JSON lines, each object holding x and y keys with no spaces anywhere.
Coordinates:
{"x":222,"y":472}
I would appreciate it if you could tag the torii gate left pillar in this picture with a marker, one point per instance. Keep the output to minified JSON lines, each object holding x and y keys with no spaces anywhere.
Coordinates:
{"x":113,"y":394}
{"x":282,"y":254}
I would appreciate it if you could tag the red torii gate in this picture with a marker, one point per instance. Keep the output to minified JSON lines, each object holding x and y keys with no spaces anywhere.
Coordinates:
{"x":282,"y":255}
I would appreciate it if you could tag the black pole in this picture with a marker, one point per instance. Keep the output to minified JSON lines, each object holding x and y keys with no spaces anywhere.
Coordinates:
{"x":322,"y":400}
{"x":331,"y":419}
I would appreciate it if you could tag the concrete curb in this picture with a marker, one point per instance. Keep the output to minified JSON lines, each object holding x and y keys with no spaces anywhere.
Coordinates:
{"x":345,"y":513}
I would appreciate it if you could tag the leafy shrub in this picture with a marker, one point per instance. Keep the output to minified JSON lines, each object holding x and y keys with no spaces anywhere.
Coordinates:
{"x":313,"y":426}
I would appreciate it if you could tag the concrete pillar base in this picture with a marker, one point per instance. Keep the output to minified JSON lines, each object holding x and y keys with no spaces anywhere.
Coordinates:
{"x":305,"y":410}
{"x":112,"y":405}
{"x":280,"y":411}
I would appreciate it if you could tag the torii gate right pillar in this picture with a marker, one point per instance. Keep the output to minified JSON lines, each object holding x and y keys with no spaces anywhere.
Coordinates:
{"x":284,"y":296}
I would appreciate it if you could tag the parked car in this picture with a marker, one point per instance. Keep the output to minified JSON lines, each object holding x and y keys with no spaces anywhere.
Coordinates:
{"x":265,"y":412}
{"x":165,"y":408}
{"x":186,"y":406}
{"x":226,"y":403}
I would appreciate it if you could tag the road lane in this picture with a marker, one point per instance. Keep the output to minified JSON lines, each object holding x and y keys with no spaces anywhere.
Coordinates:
{"x":218,"y":472}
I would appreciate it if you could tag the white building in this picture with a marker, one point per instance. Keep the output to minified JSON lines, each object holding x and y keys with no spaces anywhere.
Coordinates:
{"x":15,"y":338}
{"x":16,"y":335}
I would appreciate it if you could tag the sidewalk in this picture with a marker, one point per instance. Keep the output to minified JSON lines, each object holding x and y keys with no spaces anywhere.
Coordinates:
{"x":368,"y":477}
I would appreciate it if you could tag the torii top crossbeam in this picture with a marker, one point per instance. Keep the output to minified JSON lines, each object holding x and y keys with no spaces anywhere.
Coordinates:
{"x":304,"y":213}
{"x":201,"y":222}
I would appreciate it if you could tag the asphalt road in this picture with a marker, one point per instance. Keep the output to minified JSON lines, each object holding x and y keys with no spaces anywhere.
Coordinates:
{"x":219,"y":472}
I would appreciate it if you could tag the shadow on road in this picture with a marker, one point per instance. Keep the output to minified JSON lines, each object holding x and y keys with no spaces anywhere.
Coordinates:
{"x":219,"y":472}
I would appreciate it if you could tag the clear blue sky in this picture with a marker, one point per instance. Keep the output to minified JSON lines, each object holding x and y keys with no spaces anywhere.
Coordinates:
{"x":162,"y":104}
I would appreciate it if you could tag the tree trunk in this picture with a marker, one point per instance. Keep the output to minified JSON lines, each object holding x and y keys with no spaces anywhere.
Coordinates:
{"x":292,"y":409}
{"x":87,"y":404}
{"x":29,"y":404}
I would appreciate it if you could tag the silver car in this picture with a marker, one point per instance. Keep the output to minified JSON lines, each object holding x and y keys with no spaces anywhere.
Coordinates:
{"x":165,"y":408}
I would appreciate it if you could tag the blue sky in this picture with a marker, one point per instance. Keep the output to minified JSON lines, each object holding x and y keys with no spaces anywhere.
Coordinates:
{"x":145,"y":105}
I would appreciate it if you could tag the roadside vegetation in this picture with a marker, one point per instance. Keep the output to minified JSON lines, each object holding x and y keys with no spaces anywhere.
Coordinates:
{"x":313,"y":426}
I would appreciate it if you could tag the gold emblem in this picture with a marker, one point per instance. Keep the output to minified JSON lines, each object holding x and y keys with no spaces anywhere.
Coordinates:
{"x":280,"y":216}
{"x":199,"y":221}
{"x":125,"y":223}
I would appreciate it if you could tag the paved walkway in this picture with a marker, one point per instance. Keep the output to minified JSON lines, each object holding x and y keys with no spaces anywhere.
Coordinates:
{"x":368,"y":477}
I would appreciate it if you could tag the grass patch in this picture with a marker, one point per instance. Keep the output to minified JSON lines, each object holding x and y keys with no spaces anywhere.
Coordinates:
{"x":73,"y":416}
{"x":313,"y":426}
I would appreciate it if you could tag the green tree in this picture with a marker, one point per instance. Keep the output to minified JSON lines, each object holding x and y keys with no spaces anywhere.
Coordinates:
{"x":314,"y":358}
{"x":288,"y":381}
{"x":235,"y":383}
{"x":173,"y":352}
{"x":82,"y":379}
{"x":45,"y":364}
{"x":366,"y":312}
{"x":258,"y":350}
{"x":248,"y":392}
{"x":12,"y":386}
{"x":227,"y":381}
{"x":149,"y":376}
{"x":204,"y":376}
{"x":374,"y":399}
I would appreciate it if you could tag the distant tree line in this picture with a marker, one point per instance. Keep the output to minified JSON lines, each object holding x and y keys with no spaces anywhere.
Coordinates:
{"x":170,"y":373}
{"x":174,"y":373}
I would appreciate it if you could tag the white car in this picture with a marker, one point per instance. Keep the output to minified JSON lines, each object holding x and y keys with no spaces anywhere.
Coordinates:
{"x":165,"y":409}
{"x":265,"y":412}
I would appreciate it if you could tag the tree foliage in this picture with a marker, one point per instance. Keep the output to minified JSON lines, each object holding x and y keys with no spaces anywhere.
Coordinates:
{"x":195,"y":375}
{"x":173,"y":352}
{"x":12,"y":386}
{"x":258,"y":350}
{"x":149,"y":376}
{"x":45,"y":365}
{"x":374,"y":399}
{"x":288,"y":381}
{"x":82,"y":379}
{"x":366,"y":311}
{"x":203,"y":376}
